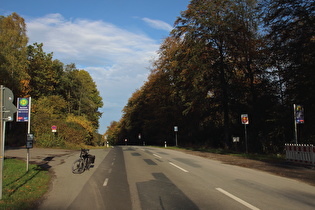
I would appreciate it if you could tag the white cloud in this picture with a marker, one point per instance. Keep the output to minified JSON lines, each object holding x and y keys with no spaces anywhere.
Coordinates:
{"x":158,"y":24}
{"x":117,"y":59}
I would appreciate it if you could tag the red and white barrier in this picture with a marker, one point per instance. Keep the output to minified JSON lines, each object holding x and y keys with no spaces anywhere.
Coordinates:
{"x":300,"y":153}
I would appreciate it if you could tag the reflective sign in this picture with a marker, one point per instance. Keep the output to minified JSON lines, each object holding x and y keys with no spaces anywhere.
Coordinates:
{"x":244,"y":118}
{"x":23,"y":110}
{"x":299,"y":113}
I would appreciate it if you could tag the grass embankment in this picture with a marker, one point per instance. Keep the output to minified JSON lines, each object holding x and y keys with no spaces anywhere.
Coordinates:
{"x":21,"y":189}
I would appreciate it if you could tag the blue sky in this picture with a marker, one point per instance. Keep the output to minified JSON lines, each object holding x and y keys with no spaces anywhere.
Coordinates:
{"x":114,"y":40}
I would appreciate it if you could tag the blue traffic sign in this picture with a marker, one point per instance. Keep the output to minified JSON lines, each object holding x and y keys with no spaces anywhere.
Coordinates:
{"x":23,"y":110}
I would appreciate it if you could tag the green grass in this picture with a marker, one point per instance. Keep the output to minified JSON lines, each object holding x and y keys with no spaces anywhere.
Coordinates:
{"x":21,"y":189}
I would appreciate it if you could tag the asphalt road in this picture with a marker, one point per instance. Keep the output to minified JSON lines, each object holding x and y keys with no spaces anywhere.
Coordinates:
{"x":168,"y":179}
{"x":131,"y":177}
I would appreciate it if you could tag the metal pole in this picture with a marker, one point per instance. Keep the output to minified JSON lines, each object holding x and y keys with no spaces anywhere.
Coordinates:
{"x":1,"y":140}
{"x":176,"y":138}
{"x":28,"y":132}
{"x":295,"y":124}
{"x":246,"y":139}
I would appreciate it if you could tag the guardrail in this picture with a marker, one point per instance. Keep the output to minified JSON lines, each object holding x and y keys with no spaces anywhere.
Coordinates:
{"x":300,"y":153}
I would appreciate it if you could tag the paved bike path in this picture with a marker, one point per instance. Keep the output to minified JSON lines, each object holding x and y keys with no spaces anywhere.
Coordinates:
{"x":65,"y":185}
{"x":108,"y":187}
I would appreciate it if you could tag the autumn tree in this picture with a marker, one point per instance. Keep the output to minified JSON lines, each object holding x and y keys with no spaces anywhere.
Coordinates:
{"x":79,"y":89}
{"x":151,"y":111}
{"x":111,"y":134}
{"x":13,"y":62}
{"x":221,"y":45}
{"x":61,"y":95}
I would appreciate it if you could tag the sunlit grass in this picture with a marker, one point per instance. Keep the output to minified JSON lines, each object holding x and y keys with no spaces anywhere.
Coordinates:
{"x":22,"y":189}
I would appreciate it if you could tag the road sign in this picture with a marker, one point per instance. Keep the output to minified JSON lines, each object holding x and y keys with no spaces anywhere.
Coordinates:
{"x":244,"y":118}
{"x":23,"y":106}
{"x":29,"y":141}
{"x":299,"y":113}
{"x":245,"y":121}
{"x":54,"y":128}
{"x":8,"y":107}
{"x":236,"y":139}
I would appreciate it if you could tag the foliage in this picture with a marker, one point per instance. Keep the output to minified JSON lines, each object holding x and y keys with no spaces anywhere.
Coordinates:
{"x":291,"y":37}
{"x":45,"y":75}
{"x":61,"y":94}
{"x":79,"y":89}
{"x":13,"y":62}
{"x":219,"y":62}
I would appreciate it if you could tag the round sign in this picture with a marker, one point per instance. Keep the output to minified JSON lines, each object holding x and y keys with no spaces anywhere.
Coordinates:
{"x":23,"y":102}
{"x":244,"y":118}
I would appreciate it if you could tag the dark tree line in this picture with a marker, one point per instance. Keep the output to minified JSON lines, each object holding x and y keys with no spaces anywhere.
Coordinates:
{"x":224,"y":59}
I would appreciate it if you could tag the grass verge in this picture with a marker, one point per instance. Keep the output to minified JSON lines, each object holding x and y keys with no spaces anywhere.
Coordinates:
{"x":21,"y":189}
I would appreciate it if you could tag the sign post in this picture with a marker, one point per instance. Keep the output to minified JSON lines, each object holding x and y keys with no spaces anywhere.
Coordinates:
{"x":1,"y":140}
{"x":7,"y":109}
{"x":245,"y":121}
{"x":176,"y":130}
{"x":298,"y":119}
{"x":24,"y":115}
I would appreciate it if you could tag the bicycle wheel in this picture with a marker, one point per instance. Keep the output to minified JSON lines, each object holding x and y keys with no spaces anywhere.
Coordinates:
{"x":78,"y":166}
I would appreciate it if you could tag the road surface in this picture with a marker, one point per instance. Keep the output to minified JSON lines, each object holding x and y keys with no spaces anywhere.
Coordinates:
{"x":136,"y":177}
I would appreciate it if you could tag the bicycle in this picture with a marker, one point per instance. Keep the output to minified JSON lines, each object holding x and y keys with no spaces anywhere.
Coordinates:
{"x":83,"y":163}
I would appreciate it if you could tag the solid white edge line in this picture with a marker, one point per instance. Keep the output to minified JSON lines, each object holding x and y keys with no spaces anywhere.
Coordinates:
{"x":178,"y":167}
{"x":157,"y":156}
{"x":237,"y":199}
{"x":105,"y":182}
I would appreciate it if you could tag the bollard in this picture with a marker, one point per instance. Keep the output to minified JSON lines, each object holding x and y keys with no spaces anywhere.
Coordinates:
{"x":165,"y":144}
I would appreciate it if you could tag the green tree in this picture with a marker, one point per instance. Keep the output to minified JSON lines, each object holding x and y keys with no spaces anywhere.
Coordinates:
{"x":150,"y":111}
{"x":79,"y":89}
{"x":221,"y":47}
{"x":44,"y":72}
{"x":13,"y":62}
{"x":290,"y":27}
{"x":48,"y":111}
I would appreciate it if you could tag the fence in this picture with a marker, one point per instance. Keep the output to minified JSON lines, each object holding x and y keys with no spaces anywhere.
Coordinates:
{"x":300,"y":153}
